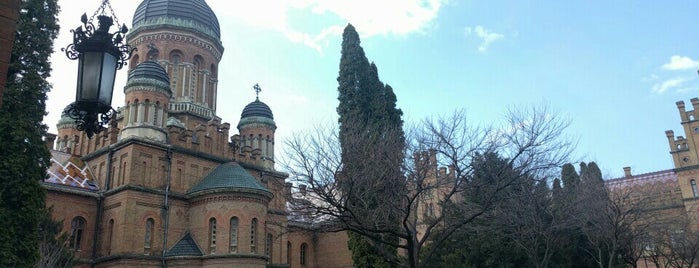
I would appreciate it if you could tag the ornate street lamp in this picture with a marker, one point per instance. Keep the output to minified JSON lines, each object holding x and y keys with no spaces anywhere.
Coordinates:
{"x":100,"y":54}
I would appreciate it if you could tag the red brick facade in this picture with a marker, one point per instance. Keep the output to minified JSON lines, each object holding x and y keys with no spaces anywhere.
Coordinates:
{"x":9,"y":14}
{"x":166,"y":141}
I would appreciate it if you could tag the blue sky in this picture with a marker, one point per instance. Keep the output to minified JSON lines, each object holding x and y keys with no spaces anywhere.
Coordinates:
{"x":614,"y":68}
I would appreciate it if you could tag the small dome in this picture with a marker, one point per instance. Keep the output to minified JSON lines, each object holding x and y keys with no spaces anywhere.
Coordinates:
{"x":230,"y":176}
{"x":150,"y":69}
{"x":170,"y":11}
{"x":174,"y":122}
{"x":65,"y":120}
{"x":257,"y":108}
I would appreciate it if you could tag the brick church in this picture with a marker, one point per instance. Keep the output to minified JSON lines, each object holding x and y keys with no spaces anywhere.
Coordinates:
{"x":167,"y":184}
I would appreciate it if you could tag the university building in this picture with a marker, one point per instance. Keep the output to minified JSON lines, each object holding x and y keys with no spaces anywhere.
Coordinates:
{"x":670,"y":193}
{"x":168,"y":184}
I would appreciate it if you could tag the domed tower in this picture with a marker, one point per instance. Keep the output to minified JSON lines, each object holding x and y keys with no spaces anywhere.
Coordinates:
{"x":230,"y":196}
{"x":256,"y":128}
{"x":68,"y":135}
{"x":147,"y":97}
{"x":184,"y":37}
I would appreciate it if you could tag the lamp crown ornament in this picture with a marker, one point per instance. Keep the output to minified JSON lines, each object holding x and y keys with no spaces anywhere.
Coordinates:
{"x":100,"y":54}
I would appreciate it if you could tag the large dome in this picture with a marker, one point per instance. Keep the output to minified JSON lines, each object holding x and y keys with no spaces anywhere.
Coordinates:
{"x":185,"y":13}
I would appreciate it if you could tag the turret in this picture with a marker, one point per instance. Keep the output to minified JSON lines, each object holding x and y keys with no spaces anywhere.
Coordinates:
{"x":256,"y":128}
{"x":147,"y":97}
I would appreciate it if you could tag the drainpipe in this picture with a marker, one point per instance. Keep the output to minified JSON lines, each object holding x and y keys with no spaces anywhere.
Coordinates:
{"x":166,"y":206}
{"x":100,"y":206}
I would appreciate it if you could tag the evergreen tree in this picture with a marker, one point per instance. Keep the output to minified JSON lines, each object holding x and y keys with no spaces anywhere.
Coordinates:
{"x":594,"y":172}
{"x":569,"y":176}
{"x":25,"y":157}
{"x":370,"y":128}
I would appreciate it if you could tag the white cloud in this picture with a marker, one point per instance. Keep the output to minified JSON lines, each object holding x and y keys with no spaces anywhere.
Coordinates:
{"x":369,"y":17}
{"x":673,"y":83}
{"x":680,"y":63}
{"x":487,"y":36}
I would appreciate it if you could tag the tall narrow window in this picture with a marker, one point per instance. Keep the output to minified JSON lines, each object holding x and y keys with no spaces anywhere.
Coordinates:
{"x":212,"y":235}
{"x":694,"y":188}
{"x":253,"y":231}
{"x":268,"y":247}
{"x":110,"y":235}
{"x":77,"y":226}
{"x":304,"y":248}
{"x":123,"y":173}
{"x":288,"y":253}
{"x":147,"y":240}
{"x":234,"y":235}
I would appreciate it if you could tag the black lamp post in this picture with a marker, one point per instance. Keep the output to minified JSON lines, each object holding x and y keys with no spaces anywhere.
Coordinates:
{"x":100,"y":54}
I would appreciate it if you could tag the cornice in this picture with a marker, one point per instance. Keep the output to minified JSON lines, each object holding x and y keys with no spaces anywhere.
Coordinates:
{"x":159,"y":35}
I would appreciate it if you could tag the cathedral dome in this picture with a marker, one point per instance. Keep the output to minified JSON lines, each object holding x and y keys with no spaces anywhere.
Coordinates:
{"x":257,"y":108}
{"x":229,"y":177}
{"x":183,"y":13}
{"x":151,"y":70}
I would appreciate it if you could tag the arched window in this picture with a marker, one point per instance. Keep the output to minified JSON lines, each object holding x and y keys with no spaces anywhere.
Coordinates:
{"x":695,"y":193}
{"x":175,"y":57}
{"x":213,"y":71}
{"x":148,"y":237}
{"x":110,"y":236}
{"x":153,"y":53}
{"x":134,"y":61}
{"x":288,"y":253}
{"x":268,"y":247}
{"x":212,"y":235}
{"x":253,"y":232}
{"x":234,"y":235}
{"x":77,"y":226}
{"x":198,"y":62}
{"x":304,"y":248}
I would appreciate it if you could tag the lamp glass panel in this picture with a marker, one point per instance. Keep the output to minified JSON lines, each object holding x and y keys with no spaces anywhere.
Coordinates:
{"x":89,"y":76}
{"x":108,"y":75}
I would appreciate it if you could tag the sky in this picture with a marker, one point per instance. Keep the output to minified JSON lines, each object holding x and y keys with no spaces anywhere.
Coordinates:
{"x":613,"y":68}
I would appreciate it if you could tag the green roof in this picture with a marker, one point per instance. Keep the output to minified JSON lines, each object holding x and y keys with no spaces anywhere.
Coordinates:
{"x":229,"y":176}
{"x":185,"y":247}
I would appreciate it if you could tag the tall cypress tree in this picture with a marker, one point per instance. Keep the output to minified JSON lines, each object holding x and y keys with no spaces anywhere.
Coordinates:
{"x":372,"y":143}
{"x":25,"y":157}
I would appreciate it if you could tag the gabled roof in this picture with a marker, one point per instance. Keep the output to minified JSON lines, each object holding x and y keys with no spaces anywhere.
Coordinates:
{"x":185,"y":247}
{"x":69,"y":170}
{"x":230,"y":176}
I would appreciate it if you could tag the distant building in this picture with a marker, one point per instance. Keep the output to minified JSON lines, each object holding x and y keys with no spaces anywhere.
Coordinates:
{"x":167,"y":185}
{"x":673,"y":191}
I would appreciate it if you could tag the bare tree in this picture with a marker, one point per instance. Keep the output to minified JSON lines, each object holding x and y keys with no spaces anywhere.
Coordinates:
{"x":535,"y":223}
{"x":53,"y":246}
{"x":675,"y":241}
{"x":612,"y":221}
{"x":531,"y":141}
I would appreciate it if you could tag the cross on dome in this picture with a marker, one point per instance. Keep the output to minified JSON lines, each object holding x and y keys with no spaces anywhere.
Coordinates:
{"x":257,"y":89}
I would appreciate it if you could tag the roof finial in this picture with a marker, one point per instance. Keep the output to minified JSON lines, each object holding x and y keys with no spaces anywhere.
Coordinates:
{"x":257,"y":91}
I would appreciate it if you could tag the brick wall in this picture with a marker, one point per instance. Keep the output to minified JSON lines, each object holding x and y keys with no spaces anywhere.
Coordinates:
{"x":9,"y":13}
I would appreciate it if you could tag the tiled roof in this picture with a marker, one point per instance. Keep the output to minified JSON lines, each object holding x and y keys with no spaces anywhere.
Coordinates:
{"x":663,"y":176}
{"x":188,"y":10}
{"x":228,"y":176}
{"x":185,"y":247}
{"x":69,"y":170}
